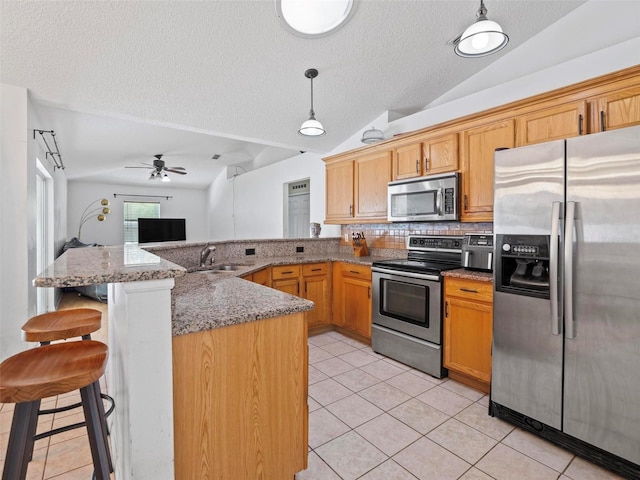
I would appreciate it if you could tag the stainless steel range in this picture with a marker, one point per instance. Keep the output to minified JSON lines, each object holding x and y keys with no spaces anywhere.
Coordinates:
{"x":407,"y":302}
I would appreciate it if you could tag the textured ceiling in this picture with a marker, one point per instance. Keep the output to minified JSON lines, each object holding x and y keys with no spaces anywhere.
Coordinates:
{"x":190,"y":79}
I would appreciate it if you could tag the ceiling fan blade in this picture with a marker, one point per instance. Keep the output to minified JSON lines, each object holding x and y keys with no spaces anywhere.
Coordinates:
{"x":177,"y":168}
{"x":179,"y":172}
{"x":139,"y":167}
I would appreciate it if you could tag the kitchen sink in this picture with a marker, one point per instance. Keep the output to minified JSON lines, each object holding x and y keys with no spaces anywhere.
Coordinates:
{"x":226,"y":268}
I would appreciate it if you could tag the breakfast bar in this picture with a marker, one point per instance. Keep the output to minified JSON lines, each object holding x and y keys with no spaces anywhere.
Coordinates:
{"x":173,"y":368}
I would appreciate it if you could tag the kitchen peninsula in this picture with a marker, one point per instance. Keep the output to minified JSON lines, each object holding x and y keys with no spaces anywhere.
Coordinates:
{"x":183,"y":386}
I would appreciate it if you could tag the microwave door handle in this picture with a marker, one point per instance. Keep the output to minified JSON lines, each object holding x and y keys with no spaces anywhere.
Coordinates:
{"x":439,"y":202}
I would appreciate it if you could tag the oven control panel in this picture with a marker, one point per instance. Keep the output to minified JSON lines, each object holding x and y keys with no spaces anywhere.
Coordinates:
{"x":443,"y":243}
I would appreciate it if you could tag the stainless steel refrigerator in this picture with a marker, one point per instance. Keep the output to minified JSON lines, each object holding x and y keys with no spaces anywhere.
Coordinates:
{"x":566,"y":327}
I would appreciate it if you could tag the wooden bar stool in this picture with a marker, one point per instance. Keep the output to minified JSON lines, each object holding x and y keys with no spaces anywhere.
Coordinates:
{"x":28,"y":377}
{"x":61,"y":325}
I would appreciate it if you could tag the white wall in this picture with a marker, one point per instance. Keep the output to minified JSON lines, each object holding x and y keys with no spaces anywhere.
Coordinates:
{"x":189,"y":204}
{"x":19,"y":151}
{"x":251,"y":205}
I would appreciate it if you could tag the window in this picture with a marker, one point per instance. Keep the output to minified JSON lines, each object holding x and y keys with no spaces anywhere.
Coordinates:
{"x":133,"y":211}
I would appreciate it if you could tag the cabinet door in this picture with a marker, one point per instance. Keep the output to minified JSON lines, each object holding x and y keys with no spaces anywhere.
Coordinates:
{"x":407,"y":161}
{"x":441,"y":154}
{"x":357,"y":305}
{"x":316,"y":289}
{"x":339,"y":202}
{"x":555,"y":123}
{"x":287,"y":285}
{"x":619,"y":109}
{"x":467,"y":337}
{"x":372,"y":176}
{"x":262,"y":277}
{"x":479,"y":145}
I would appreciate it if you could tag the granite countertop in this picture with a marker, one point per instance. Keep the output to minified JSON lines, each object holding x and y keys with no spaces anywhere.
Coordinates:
{"x":469,"y":274}
{"x":90,"y":266}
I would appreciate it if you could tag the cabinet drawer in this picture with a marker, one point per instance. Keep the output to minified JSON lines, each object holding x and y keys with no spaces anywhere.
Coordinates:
{"x":310,"y":269}
{"x":356,"y":271}
{"x":285,"y":271}
{"x":470,"y":289}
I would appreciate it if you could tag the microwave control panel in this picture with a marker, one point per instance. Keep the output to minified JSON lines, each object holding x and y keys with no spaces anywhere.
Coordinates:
{"x":449,"y":203}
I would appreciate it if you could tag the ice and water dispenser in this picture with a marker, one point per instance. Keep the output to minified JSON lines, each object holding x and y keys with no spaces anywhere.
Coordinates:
{"x":522,"y":265}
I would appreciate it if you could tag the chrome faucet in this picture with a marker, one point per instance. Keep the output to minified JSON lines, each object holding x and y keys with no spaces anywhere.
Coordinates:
{"x":205,"y":252}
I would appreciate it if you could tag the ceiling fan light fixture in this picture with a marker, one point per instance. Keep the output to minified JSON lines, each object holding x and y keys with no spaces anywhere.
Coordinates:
{"x":481,"y":38}
{"x":165,"y":178}
{"x":311,"y":127}
{"x":373,"y":135}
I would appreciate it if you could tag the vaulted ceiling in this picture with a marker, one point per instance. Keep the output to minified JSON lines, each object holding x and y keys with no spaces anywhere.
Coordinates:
{"x":120,"y":81}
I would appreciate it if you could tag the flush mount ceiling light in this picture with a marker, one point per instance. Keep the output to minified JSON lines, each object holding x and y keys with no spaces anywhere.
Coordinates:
{"x":481,"y":38}
{"x":313,"y":18}
{"x":312,"y":127}
{"x":373,"y":135}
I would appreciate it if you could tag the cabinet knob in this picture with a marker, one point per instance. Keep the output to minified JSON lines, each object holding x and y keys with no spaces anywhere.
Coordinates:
{"x":580,"y":124}
{"x":426,"y":164}
{"x":446,"y":309}
{"x":602,"y":127}
{"x":417,"y":166}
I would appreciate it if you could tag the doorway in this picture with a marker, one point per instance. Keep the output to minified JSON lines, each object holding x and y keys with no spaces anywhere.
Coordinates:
{"x":297,"y":208}
{"x":44,"y":234}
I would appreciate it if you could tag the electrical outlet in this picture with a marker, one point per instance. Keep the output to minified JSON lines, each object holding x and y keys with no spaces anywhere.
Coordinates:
{"x":299,"y":249}
{"x":250,"y":251}
{"x":346,"y":237}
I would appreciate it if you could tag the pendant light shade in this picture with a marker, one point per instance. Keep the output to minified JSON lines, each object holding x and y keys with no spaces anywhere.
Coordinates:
{"x":312,"y":127}
{"x":483,"y":37}
{"x":373,"y":135}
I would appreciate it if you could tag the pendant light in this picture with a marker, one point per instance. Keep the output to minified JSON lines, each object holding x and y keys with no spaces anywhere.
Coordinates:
{"x":373,"y":135}
{"x":481,"y":38}
{"x":312,"y":127}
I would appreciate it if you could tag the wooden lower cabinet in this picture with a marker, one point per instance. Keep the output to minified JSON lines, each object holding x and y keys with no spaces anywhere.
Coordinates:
{"x":240,"y":400}
{"x":261,"y":277}
{"x":468,"y":323}
{"x":352,"y":298}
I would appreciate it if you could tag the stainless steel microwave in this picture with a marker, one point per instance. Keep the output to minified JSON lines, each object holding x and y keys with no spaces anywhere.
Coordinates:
{"x":424,"y":199}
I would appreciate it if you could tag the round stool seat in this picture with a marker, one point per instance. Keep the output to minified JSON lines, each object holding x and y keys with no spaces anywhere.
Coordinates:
{"x":51,"y":370}
{"x":62,"y":324}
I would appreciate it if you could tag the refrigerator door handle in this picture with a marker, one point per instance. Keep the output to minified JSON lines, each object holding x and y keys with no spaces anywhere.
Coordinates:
{"x":553,"y":269}
{"x":568,"y":271}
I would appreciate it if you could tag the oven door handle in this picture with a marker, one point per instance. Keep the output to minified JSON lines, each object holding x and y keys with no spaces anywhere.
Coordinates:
{"x":421,"y":276}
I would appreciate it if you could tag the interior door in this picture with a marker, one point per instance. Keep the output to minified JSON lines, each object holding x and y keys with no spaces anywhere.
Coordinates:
{"x":602,"y":344}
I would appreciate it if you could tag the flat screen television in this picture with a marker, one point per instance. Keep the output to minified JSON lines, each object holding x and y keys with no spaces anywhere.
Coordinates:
{"x":161,"y":230}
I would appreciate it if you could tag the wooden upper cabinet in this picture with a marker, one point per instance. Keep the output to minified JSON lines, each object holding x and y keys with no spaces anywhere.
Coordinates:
{"x":339,"y":185}
{"x":619,"y":109}
{"x":478,"y":146}
{"x":431,"y":155}
{"x":372,"y":175}
{"x":554,"y":123}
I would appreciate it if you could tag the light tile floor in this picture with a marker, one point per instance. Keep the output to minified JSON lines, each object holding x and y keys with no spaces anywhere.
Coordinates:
{"x":370,"y":418}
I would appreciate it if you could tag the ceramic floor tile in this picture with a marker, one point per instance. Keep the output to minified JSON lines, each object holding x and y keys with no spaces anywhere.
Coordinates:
{"x":388,"y":434}
{"x":580,"y":469}
{"x":427,"y":377}
{"x":354,"y":410}
{"x":318,"y":355}
{"x":382,"y":370}
{"x":384,"y":395}
{"x":474,"y":474}
{"x":484,"y":401}
{"x":322,"y":339}
{"x":68,"y":420}
{"x":66,"y":456}
{"x":538,"y":449}
{"x":358,"y":358}
{"x":410,"y":384}
{"x":467,"y":392}
{"x":449,"y":402}
{"x":466,"y":442}
{"x":323,"y":427}
{"x":476,"y":416}
{"x":356,"y":379}
{"x":370,"y":351}
{"x":505,"y":463}
{"x":337,"y":348}
{"x":425,"y":457}
{"x":419,"y":416}
{"x":389,"y":470}
{"x":333,"y":366}
{"x":328,"y":391}
{"x":395,"y":363}
{"x":353,"y":343}
{"x":313,"y":405}
{"x":316,"y":375}
{"x":316,"y":470}
{"x":350,"y":455}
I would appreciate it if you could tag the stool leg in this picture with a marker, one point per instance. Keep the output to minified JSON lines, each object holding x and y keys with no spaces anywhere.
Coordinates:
{"x":20,"y":447}
{"x":103,"y":421}
{"x":94,"y":430}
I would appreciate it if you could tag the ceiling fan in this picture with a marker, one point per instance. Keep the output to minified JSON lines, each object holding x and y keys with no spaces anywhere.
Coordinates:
{"x":159,"y":169}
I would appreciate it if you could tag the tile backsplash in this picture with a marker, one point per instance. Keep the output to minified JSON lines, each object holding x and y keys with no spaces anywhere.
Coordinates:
{"x":393,"y":235}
